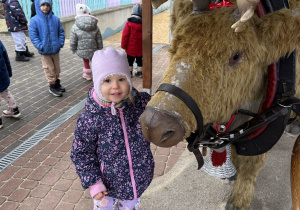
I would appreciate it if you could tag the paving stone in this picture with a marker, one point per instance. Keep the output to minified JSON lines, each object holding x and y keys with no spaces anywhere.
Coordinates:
{"x":39,"y":157}
{"x":72,"y":196}
{"x":48,"y":149}
{"x":159,"y":168}
{"x":31,"y":164}
{"x":9,"y":206}
{"x":19,"y":195}
{"x":8,"y":172}
{"x":28,"y":184}
{"x":70,"y":174}
{"x":22,"y":173}
{"x":65,"y":206}
{"x":20,"y":161}
{"x":162,"y":151}
{"x":30,"y":203}
{"x":63,"y":165}
{"x":52,"y":177}
{"x":51,"y":200}
{"x":85,"y":204}
{"x":2,"y":199}
{"x":50,"y":161}
{"x":40,"y":191}
{"x":39,"y":173}
{"x":63,"y":185}
{"x":10,"y":186}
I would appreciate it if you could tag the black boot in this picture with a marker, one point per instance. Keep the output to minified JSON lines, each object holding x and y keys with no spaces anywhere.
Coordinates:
{"x":27,"y":53}
{"x":20,"y":56}
{"x":61,"y":88}
{"x":55,"y":90}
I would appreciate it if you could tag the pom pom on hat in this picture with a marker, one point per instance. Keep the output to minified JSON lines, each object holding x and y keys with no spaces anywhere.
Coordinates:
{"x":45,"y":1}
{"x":137,"y":9}
{"x":82,"y":9}
{"x":106,"y":63}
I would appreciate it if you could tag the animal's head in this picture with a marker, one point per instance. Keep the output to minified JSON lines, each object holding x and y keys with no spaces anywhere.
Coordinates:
{"x":219,"y":68}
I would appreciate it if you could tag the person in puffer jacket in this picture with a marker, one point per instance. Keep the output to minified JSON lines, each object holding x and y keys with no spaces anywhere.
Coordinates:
{"x":132,"y":39}
{"x":85,"y":37}
{"x":48,"y":37}
{"x":110,"y":154}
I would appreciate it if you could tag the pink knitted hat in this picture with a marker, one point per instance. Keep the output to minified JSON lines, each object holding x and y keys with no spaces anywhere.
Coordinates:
{"x":106,"y":63}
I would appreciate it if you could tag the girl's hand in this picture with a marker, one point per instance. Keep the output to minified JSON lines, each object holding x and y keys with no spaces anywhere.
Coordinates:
{"x":100,"y":195}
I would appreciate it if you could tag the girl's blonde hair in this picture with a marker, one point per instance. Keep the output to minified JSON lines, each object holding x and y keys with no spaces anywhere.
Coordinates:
{"x":131,"y":99}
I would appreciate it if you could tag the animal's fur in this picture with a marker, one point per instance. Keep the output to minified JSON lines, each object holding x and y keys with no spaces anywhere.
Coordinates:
{"x":202,"y":64}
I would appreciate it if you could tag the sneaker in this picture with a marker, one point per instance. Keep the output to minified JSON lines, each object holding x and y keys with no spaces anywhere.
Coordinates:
{"x":87,"y":76}
{"x":61,"y":88}
{"x":12,"y":112}
{"x":1,"y":125}
{"x":54,"y":90}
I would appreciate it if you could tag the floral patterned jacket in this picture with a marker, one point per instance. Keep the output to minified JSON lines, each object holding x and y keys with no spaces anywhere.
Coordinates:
{"x":112,"y":148}
{"x":85,"y":37}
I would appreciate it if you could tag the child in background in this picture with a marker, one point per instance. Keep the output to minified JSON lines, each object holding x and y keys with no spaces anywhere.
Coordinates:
{"x":85,"y":37}
{"x":111,"y":156}
{"x":48,"y":36}
{"x":16,"y":23}
{"x":132,"y":39}
{"x":5,"y":74}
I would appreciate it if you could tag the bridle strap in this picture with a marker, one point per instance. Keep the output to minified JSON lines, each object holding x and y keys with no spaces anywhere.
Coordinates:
{"x":194,"y":139}
{"x":188,"y":100}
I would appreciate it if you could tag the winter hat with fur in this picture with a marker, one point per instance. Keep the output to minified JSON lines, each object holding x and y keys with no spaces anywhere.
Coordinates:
{"x":45,"y":1}
{"x":106,"y":63}
{"x":82,"y":9}
{"x":137,"y":9}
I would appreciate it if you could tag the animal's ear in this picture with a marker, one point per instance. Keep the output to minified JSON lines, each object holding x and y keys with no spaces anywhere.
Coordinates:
{"x":278,"y":32}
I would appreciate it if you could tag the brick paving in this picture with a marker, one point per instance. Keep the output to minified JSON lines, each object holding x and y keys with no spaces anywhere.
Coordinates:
{"x":44,"y":177}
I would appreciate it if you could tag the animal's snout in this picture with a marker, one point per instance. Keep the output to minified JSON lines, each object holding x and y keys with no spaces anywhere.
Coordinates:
{"x":161,"y":128}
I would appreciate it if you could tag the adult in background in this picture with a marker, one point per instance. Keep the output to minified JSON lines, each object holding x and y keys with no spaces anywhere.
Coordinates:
{"x":17,"y":23}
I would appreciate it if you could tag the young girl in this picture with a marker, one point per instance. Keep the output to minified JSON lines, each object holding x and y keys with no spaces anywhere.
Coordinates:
{"x":111,"y":156}
{"x":85,"y":37}
{"x":5,"y":74}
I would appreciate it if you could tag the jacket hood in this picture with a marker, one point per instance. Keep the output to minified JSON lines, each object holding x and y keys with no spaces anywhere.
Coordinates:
{"x":86,"y":22}
{"x":135,"y":19}
{"x":38,"y":9}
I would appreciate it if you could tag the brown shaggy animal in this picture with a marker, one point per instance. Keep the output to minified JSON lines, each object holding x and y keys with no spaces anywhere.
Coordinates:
{"x":221,"y":70}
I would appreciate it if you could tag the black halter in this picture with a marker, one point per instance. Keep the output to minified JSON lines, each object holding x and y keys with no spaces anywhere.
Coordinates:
{"x":273,"y":120}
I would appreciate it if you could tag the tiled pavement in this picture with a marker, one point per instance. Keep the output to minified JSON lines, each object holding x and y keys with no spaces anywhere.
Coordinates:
{"x":44,"y":177}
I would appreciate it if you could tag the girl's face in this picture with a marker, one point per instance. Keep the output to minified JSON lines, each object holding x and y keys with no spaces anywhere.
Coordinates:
{"x":115,"y":88}
{"x":45,"y":8}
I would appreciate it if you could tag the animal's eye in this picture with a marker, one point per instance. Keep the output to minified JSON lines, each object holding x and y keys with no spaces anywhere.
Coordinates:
{"x":235,"y":59}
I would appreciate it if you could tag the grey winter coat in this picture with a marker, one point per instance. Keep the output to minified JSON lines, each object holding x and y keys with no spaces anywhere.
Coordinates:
{"x":85,"y":36}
